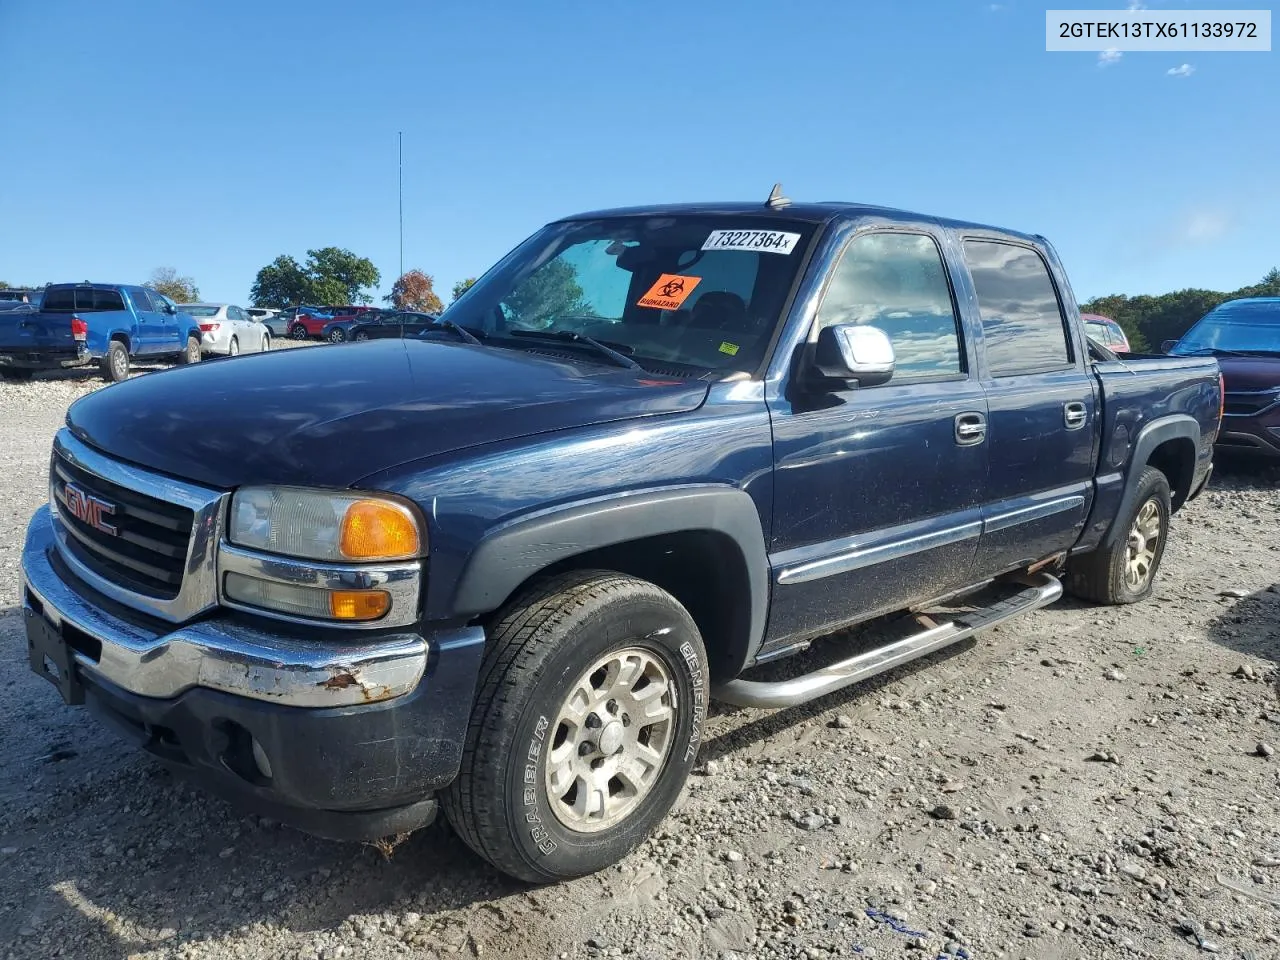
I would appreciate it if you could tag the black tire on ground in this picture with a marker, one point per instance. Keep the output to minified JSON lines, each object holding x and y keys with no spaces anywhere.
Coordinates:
{"x":266,"y":342}
{"x":192,"y":352}
{"x":115,"y":364}
{"x":16,"y":373}
{"x":298,"y":332}
{"x":361,"y":335}
{"x":1101,"y":575}
{"x":538,"y":649}
{"x":233,"y":348}
{"x":336,"y":335}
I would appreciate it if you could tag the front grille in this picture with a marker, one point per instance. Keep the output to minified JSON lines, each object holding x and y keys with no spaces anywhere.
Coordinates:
{"x":1249,"y":404}
{"x":148,"y":551}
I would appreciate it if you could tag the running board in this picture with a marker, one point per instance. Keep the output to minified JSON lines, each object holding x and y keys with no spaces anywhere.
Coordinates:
{"x":1040,"y":590}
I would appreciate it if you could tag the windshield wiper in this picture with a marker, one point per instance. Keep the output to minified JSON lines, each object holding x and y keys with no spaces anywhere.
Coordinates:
{"x":459,"y":329}
{"x":571,"y":336}
{"x":1211,"y":352}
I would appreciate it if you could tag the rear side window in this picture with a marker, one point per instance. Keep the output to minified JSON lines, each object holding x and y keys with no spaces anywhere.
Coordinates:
{"x":1022,"y":324}
{"x":897,"y":282}
{"x":104,"y":300}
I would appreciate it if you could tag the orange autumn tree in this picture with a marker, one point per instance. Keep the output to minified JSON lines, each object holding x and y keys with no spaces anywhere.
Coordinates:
{"x":415,"y":291}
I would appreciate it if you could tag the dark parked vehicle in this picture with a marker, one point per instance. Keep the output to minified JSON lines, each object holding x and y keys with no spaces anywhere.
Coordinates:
{"x":503,"y":566}
{"x":1244,"y":335}
{"x":391,"y":323}
{"x":344,"y":318}
{"x":78,"y":324}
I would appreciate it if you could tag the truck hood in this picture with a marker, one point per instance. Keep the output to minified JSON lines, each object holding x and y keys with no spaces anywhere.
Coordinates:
{"x":328,"y":416}
{"x":1247,"y":374}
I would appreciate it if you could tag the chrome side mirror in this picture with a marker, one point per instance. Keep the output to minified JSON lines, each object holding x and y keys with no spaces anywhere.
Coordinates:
{"x":854,"y":352}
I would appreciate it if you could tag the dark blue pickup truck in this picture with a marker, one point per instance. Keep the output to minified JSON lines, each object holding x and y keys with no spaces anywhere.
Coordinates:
{"x":501,"y":566}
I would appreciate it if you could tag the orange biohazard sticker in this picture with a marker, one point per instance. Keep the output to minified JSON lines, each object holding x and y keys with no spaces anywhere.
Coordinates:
{"x":669,"y":291}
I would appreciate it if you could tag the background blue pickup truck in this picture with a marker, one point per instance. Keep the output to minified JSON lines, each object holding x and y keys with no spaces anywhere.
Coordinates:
{"x":78,"y":324}
{"x":502,"y":566}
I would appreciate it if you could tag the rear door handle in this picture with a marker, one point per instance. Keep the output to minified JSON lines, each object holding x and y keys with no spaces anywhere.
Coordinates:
{"x":971,"y":428}
{"x":1074,"y":415}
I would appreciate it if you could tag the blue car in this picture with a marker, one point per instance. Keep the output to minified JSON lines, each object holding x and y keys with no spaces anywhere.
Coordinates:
{"x":80,"y":324}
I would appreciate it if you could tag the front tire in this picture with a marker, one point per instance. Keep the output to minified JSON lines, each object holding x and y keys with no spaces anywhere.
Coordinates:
{"x":298,"y":332}
{"x":266,"y":342}
{"x":1125,"y":571}
{"x":590,"y":709}
{"x":360,"y":336}
{"x":233,"y":348}
{"x":336,"y":335}
{"x":192,"y":352}
{"x":115,"y":365}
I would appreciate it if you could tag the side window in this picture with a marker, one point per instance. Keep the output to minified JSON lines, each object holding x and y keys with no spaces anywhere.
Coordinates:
{"x":1023,"y":329}
{"x":897,"y":282}
{"x":235,"y":313}
{"x":107,"y":300}
{"x":141,"y":299}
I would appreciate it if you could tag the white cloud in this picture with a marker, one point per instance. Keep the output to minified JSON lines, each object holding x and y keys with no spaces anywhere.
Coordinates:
{"x":1185,"y":70}
{"x":1107,"y":57}
{"x":1203,"y":226}
{"x":1137,"y":5}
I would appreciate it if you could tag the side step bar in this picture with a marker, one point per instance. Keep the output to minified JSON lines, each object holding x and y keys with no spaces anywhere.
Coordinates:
{"x":1040,"y":590}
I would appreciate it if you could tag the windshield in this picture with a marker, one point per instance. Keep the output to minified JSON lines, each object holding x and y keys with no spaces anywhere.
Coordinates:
{"x":1239,"y":327}
{"x":198,"y":311}
{"x":690,"y":294}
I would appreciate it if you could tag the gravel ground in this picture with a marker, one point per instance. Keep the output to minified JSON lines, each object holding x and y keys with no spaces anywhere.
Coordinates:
{"x":1082,"y":782}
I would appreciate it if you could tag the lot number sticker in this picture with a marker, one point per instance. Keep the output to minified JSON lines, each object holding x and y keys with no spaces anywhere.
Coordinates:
{"x":764,"y":241}
{"x":669,"y":291}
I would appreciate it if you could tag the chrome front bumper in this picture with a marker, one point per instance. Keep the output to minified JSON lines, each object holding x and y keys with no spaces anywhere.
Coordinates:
{"x":218,"y":653}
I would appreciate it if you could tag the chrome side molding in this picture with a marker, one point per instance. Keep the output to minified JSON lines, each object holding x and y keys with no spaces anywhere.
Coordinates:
{"x":1041,"y":590}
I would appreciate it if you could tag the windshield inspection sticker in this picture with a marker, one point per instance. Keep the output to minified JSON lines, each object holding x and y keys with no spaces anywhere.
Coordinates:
{"x":668,"y":292}
{"x":763,"y":241}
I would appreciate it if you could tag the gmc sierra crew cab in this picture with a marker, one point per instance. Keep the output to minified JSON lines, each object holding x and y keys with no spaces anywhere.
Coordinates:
{"x":500,"y":567}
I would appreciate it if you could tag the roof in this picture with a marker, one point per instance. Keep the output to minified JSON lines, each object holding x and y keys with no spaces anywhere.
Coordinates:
{"x":822,"y":212}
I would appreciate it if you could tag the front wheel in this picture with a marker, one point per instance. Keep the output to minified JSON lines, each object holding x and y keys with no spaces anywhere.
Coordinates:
{"x":1125,"y":571}
{"x":336,"y":335}
{"x":233,"y":347}
{"x":192,"y":352}
{"x":266,"y":342}
{"x":361,"y":335}
{"x":298,"y":332}
{"x":587,"y":722}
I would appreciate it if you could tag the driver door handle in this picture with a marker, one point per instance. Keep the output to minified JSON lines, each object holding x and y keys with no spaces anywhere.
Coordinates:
{"x":1074,"y":415}
{"x":971,"y":429}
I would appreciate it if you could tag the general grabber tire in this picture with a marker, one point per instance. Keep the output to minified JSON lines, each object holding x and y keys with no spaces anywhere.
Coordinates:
{"x":1125,"y":572}
{"x":589,"y":711}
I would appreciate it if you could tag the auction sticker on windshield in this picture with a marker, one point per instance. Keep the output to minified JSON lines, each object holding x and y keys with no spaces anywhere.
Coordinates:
{"x":765,"y":241}
{"x":669,"y":291}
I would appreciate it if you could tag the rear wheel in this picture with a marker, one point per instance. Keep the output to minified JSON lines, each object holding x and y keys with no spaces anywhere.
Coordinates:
{"x":298,"y":332}
{"x":233,"y":347}
{"x":192,"y":352}
{"x":115,"y":365}
{"x":361,"y":335}
{"x":590,"y":708}
{"x":1125,"y":571}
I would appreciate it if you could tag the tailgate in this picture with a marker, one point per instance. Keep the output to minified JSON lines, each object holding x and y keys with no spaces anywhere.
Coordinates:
{"x":22,"y":330}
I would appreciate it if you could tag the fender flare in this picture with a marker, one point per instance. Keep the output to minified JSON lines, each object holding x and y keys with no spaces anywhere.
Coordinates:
{"x":512,"y":553}
{"x":1173,"y":427}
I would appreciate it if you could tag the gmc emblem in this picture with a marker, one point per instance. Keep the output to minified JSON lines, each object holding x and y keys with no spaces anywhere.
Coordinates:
{"x":89,"y":509}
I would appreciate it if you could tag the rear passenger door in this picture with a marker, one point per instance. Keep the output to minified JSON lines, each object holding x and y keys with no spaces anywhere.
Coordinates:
{"x":151,"y":334}
{"x":1042,"y":408}
{"x":879,"y":489}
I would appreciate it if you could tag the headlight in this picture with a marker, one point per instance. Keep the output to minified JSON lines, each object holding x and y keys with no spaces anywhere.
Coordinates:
{"x":297,"y":522}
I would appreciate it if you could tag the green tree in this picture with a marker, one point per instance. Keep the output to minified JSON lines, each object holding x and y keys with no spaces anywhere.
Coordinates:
{"x":415,"y":290}
{"x":461,"y":287}
{"x":331,"y":275}
{"x":281,"y":283}
{"x":549,"y":292}
{"x":177,"y":288}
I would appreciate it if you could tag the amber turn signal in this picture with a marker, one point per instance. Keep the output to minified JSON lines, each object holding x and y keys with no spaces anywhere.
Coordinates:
{"x":358,"y":604}
{"x":378,"y":530}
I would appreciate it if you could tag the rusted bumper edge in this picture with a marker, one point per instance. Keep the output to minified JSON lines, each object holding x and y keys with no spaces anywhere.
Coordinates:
{"x":229,"y":654}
